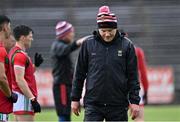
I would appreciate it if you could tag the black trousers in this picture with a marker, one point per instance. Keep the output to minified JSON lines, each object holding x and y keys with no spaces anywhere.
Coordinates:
{"x":105,"y":112}
{"x":61,"y":93}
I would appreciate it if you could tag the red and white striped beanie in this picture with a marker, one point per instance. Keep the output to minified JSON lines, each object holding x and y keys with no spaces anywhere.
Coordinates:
{"x":63,"y":28}
{"x":106,"y":19}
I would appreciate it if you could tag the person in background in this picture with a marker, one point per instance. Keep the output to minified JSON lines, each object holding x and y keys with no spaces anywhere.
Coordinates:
{"x":108,"y":62}
{"x":143,"y":78}
{"x":62,"y":70}
{"x":7,"y":97}
{"x":143,"y":82}
{"x":22,"y":73}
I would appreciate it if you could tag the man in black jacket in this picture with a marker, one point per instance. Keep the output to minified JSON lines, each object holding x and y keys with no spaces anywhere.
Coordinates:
{"x":108,"y":62}
{"x":62,"y":68}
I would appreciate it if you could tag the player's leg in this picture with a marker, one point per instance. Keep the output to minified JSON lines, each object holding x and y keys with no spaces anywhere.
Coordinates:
{"x":21,"y":118}
{"x":22,"y":109}
{"x":3,"y":117}
{"x":57,"y":100}
{"x":66,"y":105}
{"x":61,"y":94}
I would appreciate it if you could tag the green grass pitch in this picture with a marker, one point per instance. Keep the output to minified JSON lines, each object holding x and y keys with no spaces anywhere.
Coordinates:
{"x":152,"y":113}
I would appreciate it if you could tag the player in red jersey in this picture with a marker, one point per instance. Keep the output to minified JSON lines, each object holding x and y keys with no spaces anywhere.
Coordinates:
{"x":143,"y":78}
{"x":6,"y":96}
{"x":22,"y":71}
{"x":143,"y":82}
{"x":9,"y":43}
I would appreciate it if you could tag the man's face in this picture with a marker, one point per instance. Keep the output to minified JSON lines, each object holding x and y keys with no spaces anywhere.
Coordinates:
{"x":7,"y":30}
{"x":28,"y":40}
{"x":107,"y":34}
{"x":10,"y":42}
{"x":69,"y":37}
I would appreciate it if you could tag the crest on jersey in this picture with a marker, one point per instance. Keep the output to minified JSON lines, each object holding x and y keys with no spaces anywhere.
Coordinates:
{"x":119,"y":52}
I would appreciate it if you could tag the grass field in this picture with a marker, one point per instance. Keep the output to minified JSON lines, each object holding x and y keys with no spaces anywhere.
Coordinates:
{"x":152,"y":113}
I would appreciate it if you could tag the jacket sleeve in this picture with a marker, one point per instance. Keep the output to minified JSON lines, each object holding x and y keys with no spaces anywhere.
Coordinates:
{"x":60,"y":49}
{"x":80,"y":73}
{"x":132,"y":74}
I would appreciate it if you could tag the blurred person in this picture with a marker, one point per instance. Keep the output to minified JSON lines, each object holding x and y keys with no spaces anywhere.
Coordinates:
{"x":143,"y":82}
{"x":22,"y":72}
{"x":108,"y":62}
{"x":143,"y":78}
{"x":62,"y":71}
{"x":7,"y":97}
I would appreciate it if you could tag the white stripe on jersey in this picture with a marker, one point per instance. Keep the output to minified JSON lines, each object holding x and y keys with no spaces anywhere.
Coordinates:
{"x":18,"y":66}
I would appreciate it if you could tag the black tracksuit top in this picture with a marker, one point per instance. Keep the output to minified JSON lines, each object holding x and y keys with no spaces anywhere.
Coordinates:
{"x":110,"y":70}
{"x":62,"y":70}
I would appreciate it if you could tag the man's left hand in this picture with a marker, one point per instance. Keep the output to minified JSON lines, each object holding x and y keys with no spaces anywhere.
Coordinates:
{"x":13,"y":98}
{"x":38,"y":59}
{"x":134,"y":111}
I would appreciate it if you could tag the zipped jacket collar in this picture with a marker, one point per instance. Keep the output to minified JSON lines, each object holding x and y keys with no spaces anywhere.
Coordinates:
{"x":100,"y":39}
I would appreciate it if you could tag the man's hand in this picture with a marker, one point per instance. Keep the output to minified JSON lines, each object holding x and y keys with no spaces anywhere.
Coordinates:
{"x":75,"y":106}
{"x":134,"y":111}
{"x":13,"y":98}
{"x":36,"y":106}
{"x":81,"y":40}
{"x":38,"y":59}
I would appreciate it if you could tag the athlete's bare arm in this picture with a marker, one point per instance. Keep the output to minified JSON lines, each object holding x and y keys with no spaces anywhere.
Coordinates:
{"x":19,"y":74}
{"x":4,"y":86}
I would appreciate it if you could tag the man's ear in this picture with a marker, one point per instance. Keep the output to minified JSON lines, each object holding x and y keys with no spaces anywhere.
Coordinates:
{"x":21,"y":37}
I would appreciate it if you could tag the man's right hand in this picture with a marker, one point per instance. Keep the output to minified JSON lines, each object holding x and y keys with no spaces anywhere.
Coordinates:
{"x":75,"y":106}
{"x":134,"y":111}
{"x":38,"y":59}
{"x":36,"y":106}
{"x":13,"y":98}
{"x":81,"y":40}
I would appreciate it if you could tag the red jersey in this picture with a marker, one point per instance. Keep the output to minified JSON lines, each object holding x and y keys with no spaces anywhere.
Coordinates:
{"x":18,"y":57}
{"x":6,"y":105}
{"x":142,"y":68}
